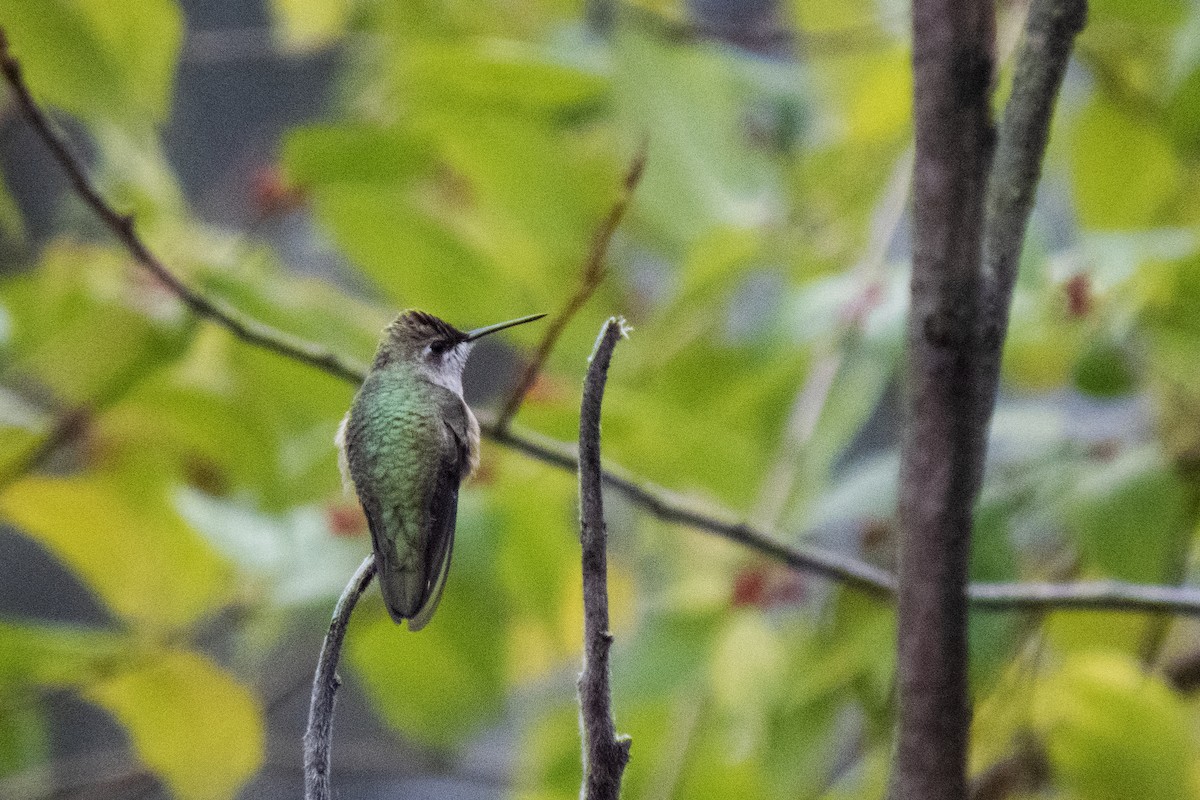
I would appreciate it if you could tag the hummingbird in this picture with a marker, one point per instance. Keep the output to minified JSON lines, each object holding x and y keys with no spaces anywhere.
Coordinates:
{"x":407,"y":442}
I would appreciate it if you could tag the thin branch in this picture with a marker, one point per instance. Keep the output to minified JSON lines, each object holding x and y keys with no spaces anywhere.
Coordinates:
{"x":1085,"y":596}
{"x":854,"y":573}
{"x":945,"y":432}
{"x":594,"y":269}
{"x":667,"y":507}
{"x":604,"y":753}
{"x":1050,"y":31}
{"x":318,"y":737}
{"x":68,"y":427}
{"x":245,"y":328}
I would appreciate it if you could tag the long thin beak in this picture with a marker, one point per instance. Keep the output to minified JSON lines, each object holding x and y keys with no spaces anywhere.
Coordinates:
{"x":499,"y":326}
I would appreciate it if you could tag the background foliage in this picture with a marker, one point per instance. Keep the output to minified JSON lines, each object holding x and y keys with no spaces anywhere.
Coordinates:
{"x":460,"y":165}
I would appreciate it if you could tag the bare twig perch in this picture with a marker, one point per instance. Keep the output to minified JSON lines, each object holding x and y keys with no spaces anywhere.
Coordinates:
{"x":604,"y":753}
{"x":318,"y":738}
{"x":594,"y":268}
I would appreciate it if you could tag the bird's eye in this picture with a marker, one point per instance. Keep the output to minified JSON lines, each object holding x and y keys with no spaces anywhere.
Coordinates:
{"x":438,"y":348}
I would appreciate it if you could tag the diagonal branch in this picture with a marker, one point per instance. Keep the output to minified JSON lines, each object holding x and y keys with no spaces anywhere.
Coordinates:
{"x":1050,"y":31}
{"x":854,"y":573}
{"x":318,"y":737}
{"x":604,"y":753}
{"x":594,"y":269}
{"x":241,"y":326}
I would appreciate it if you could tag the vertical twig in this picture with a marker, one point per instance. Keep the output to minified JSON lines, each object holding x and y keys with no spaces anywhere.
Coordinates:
{"x":1050,"y":31}
{"x":947,"y":413}
{"x":318,"y":738}
{"x":594,"y":267}
{"x":604,"y":753}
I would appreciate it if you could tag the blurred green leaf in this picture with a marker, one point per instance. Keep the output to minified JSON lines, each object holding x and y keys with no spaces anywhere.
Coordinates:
{"x":498,"y":74}
{"x":191,"y":722}
{"x":1114,"y":732}
{"x":1104,"y":370}
{"x":100,"y":60}
{"x":1123,"y":171}
{"x":354,"y":152}
{"x":703,"y":171}
{"x":57,"y":316}
{"x":1130,"y":517}
{"x":58,"y":655}
{"x":25,"y":735}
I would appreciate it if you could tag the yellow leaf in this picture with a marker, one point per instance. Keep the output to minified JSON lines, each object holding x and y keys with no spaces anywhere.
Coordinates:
{"x":139,"y":556}
{"x":190,"y":721}
{"x":1114,"y":732}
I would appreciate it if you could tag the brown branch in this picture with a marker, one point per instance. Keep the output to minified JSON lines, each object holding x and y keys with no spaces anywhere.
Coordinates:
{"x":122,"y":226}
{"x":604,"y":753}
{"x":318,"y":737}
{"x":594,"y":269}
{"x":945,"y":433}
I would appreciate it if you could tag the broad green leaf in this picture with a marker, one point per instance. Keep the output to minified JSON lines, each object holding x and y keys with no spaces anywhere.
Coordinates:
{"x":538,"y":548}
{"x":59,"y":310}
{"x":191,"y":722}
{"x":507,"y":75}
{"x":411,"y":259}
{"x":1114,"y":732}
{"x":1183,"y":112}
{"x":144,"y":39}
{"x":670,"y":652}
{"x":100,"y":60}
{"x":1130,"y":517}
{"x":353,"y":153}
{"x":1123,"y":171}
{"x":992,"y":636}
{"x":703,"y":171}
{"x":879,"y":105}
{"x":1043,"y":344}
{"x":534,"y":199}
{"x":1129,"y":520}
{"x":134,"y":551}
{"x":64,"y":58}
{"x":747,"y":665}
{"x":1105,"y":370}
{"x":1151,"y":13}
